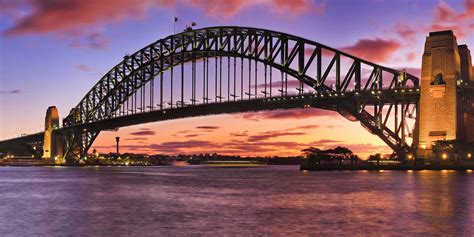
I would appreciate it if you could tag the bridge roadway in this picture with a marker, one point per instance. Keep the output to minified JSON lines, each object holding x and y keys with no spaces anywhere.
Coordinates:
{"x":331,"y":101}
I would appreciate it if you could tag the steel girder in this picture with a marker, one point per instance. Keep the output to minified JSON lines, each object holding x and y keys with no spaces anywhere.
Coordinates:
{"x":77,"y":142}
{"x":289,"y":54}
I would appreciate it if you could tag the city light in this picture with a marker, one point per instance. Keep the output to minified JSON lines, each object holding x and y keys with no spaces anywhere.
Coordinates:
{"x":444,"y":156}
{"x":469,"y":155}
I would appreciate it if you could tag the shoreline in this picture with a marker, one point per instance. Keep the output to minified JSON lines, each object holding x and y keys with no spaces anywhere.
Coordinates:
{"x":442,"y":167}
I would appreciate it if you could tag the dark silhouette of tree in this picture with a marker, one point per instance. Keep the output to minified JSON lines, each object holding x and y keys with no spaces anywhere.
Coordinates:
{"x":339,"y":154}
{"x":454,"y":150}
{"x":376,"y":157}
{"x":313,"y":155}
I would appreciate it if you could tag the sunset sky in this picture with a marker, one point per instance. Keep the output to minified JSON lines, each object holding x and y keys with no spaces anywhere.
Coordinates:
{"x":53,"y":51}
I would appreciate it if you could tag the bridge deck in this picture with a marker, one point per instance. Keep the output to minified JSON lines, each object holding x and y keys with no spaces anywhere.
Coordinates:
{"x":328,"y":102}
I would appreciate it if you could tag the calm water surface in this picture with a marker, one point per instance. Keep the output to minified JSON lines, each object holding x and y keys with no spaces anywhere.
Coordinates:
{"x":271,"y":200}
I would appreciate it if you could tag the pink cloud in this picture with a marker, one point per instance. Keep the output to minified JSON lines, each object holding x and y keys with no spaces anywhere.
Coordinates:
{"x":272,"y":134}
{"x":48,"y":16}
{"x":443,"y":12}
{"x":77,"y":22}
{"x":458,"y":30}
{"x":277,"y":84}
{"x":298,"y":6}
{"x":414,"y":71}
{"x":446,"y":18}
{"x":252,"y":147}
{"x":95,"y":40}
{"x":84,"y":68}
{"x":229,"y":8}
{"x":368,"y":148}
{"x":288,"y":114}
{"x":376,"y":50}
{"x":80,"y":23}
{"x":411,"y":56}
{"x":405,"y":31}
{"x":226,"y":8}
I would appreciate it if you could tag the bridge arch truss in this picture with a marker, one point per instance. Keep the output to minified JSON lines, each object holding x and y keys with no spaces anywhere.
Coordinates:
{"x":222,"y":67}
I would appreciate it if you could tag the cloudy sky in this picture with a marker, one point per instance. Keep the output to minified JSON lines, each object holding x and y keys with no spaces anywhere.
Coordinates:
{"x":53,"y":51}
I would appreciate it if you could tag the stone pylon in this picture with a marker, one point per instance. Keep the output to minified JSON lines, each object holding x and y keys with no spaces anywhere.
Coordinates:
{"x":52,"y":144}
{"x":467,"y":74}
{"x":445,"y":67}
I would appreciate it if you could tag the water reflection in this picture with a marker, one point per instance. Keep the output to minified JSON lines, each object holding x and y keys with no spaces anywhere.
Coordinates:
{"x":445,"y":199}
{"x":273,"y":200}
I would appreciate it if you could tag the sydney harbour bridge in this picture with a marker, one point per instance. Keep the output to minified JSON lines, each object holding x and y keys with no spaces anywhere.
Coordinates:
{"x":220,"y":70}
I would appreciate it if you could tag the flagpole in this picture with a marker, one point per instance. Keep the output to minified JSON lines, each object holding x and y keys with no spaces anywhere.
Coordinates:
{"x":175,"y":19}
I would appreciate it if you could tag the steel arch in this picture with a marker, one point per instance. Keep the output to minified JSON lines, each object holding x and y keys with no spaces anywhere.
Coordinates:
{"x":289,"y":54}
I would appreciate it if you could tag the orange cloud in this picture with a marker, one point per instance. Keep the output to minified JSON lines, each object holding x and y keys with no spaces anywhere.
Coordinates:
{"x":136,"y":139}
{"x":239,"y":134}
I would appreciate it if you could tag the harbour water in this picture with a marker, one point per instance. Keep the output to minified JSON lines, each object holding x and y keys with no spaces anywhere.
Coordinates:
{"x":204,"y":200}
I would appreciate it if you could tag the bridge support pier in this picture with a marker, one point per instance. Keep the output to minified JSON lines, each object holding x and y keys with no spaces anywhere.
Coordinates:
{"x":52,"y":145}
{"x":445,"y":67}
{"x":467,"y":106}
{"x":77,"y":143}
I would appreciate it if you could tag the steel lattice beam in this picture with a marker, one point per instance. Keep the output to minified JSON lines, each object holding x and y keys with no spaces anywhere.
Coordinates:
{"x":292,"y":56}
